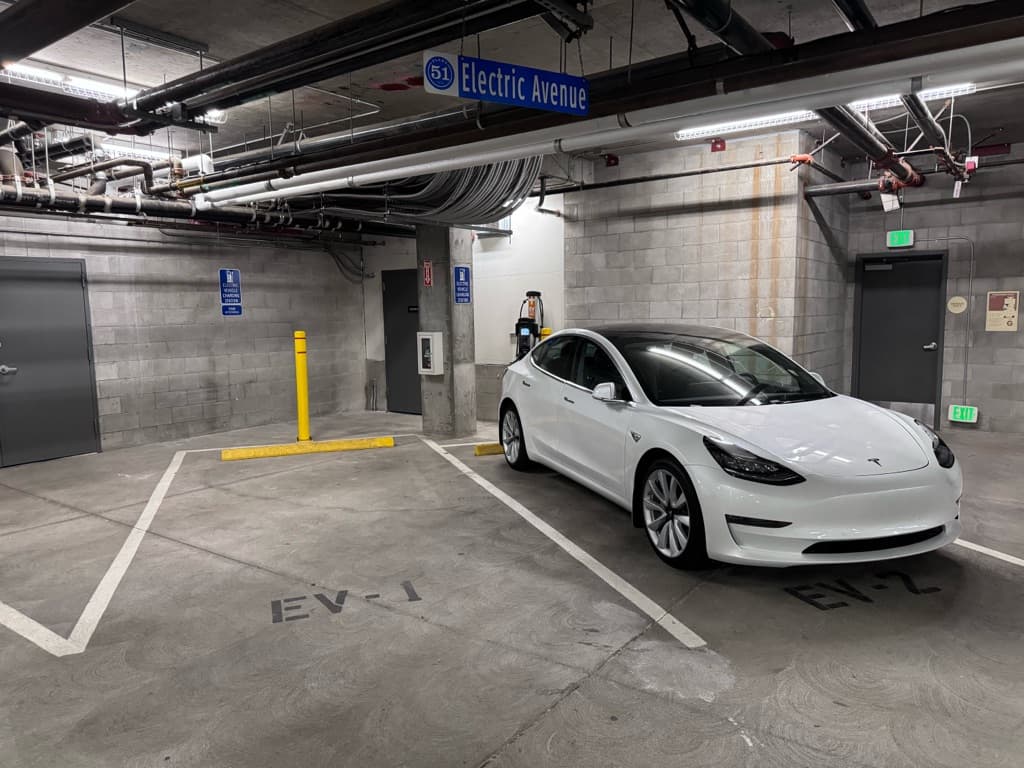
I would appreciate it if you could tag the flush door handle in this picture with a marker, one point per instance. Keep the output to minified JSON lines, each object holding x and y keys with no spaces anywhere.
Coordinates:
{"x":930,"y":347}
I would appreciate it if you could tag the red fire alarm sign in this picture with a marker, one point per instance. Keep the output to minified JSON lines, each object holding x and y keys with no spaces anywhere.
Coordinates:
{"x":428,"y":273}
{"x":718,"y":145}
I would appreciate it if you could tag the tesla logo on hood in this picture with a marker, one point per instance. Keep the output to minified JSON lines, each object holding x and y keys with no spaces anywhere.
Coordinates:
{"x":876,"y":461}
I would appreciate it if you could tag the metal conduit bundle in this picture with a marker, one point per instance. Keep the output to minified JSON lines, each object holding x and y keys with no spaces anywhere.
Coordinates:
{"x":478,"y":195}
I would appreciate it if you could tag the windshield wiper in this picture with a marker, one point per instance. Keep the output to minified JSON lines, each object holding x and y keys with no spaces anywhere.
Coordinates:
{"x":754,"y":391}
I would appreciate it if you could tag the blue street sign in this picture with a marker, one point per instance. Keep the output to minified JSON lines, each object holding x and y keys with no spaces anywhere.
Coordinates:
{"x":462,"y":290}
{"x":230,"y":292}
{"x":518,"y":86}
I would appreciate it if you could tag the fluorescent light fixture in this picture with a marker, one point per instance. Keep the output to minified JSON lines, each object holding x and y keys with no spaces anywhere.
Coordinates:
{"x":770,"y":121}
{"x":73,"y":84}
{"x":803,"y":116}
{"x":90,"y":87}
{"x":117,"y":150}
{"x":930,"y":94}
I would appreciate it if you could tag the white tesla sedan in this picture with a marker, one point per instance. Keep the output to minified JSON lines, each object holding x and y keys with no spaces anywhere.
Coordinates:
{"x":724,"y":448}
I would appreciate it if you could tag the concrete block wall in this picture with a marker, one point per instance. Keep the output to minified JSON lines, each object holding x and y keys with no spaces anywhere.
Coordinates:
{"x":822,"y":331}
{"x":168,"y":365}
{"x":988,"y":215}
{"x":718,"y":249}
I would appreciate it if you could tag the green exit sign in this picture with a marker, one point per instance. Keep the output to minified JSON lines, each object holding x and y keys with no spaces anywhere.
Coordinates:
{"x":967,"y":414}
{"x":900,"y":238}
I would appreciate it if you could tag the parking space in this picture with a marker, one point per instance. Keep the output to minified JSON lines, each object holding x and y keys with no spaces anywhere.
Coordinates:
{"x":379,"y":607}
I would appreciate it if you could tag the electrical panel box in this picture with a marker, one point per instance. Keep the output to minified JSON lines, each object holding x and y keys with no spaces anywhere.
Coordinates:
{"x":430,"y":353}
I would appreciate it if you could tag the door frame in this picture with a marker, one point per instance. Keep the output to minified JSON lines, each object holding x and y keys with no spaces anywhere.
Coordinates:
{"x":84,"y":274}
{"x":883,"y":257}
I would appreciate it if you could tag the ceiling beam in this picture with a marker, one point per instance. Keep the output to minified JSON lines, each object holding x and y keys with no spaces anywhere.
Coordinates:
{"x":31,"y":25}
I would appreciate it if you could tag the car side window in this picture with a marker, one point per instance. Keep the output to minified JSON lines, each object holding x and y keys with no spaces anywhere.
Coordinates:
{"x":556,"y":356}
{"x":594,"y":366}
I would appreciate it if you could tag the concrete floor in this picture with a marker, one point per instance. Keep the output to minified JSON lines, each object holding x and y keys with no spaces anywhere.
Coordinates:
{"x":465,"y":637}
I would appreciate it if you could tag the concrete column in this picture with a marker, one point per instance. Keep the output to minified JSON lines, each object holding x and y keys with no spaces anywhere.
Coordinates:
{"x":449,"y":401}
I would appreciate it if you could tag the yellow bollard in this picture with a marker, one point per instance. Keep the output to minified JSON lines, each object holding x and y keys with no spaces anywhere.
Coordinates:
{"x":302,"y":385}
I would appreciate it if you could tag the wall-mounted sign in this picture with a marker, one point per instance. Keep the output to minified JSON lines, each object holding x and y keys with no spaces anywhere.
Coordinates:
{"x":230,"y":292}
{"x":502,"y":83}
{"x":956,"y":305}
{"x":1003,"y":307}
{"x":461,"y":285}
{"x":428,"y":273}
{"x":965,"y":414}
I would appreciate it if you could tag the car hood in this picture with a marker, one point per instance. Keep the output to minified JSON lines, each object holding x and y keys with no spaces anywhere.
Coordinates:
{"x":837,"y":436}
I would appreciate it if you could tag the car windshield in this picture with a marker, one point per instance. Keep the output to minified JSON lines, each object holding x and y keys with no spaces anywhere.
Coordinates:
{"x":676,"y":369}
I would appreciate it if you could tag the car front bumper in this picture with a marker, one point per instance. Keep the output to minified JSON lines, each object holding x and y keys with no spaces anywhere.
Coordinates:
{"x":859,"y":519}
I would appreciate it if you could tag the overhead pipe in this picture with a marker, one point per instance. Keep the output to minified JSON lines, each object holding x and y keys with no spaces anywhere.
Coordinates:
{"x":389,"y":130}
{"x":855,"y":14}
{"x":118,"y":162}
{"x":75,"y":145}
{"x":868,"y":139}
{"x":49,"y":199}
{"x":879,"y":184}
{"x":721,"y":20}
{"x":793,"y":160}
{"x":10,"y":164}
{"x":390,"y":30}
{"x":746,"y":86}
{"x":933,"y":133}
{"x":29,"y":26}
{"x":369,"y":51}
{"x":33,"y":105}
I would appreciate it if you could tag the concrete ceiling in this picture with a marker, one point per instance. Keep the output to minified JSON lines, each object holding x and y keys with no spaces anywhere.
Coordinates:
{"x":239,"y":27}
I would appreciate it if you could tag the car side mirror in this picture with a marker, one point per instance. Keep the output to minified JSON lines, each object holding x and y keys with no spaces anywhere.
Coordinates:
{"x":607,"y":392}
{"x":818,"y":378}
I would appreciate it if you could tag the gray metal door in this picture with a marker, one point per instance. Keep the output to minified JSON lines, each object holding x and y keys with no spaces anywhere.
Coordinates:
{"x":898,"y":347}
{"x":47,"y":386}
{"x":401,"y":322}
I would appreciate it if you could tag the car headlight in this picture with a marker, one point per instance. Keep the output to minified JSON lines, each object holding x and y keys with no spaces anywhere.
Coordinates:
{"x":943,"y":453}
{"x":741,"y":463}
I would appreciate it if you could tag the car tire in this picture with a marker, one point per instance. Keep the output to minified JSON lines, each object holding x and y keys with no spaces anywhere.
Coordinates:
{"x":513,"y":442}
{"x":677,"y":535}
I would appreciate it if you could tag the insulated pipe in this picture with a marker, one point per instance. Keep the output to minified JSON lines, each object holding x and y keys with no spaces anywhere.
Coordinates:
{"x":16,"y":130}
{"x":869,"y":140}
{"x":34,"y":104}
{"x":31,"y":25}
{"x":10,"y":163}
{"x":391,"y":129}
{"x":856,"y":14}
{"x":118,"y":162}
{"x":395,"y":20}
{"x":367,"y":51}
{"x":77,"y":145}
{"x":925,"y":120}
{"x":719,"y":18}
{"x":842,"y":188}
{"x":49,"y":199}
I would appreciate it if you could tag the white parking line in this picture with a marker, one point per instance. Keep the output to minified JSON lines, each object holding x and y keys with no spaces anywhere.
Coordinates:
{"x":659,"y":615}
{"x":49,"y":640}
{"x":991,"y":552}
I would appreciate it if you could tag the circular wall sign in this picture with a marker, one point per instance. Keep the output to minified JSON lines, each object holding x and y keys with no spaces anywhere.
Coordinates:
{"x":439,"y":73}
{"x":956,"y":305}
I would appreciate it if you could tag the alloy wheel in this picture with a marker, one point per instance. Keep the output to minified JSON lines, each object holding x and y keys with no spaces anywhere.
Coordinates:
{"x":666,"y":513}
{"x":511,"y":436}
